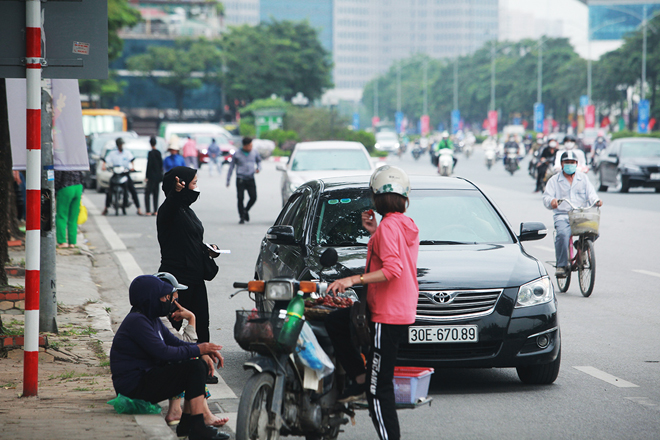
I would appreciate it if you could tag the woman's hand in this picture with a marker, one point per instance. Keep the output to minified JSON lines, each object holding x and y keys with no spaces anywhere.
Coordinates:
{"x":340,"y":285}
{"x":179,"y":185}
{"x":369,"y":221}
{"x":209,"y":363}
{"x":213,"y":350}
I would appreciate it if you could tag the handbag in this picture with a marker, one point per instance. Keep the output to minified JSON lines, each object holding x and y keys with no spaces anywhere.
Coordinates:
{"x":360,"y":333}
{"x":82,"y":214}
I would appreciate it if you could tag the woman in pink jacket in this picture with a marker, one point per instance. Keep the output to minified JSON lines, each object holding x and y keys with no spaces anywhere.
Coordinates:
{"x":392,"y":293}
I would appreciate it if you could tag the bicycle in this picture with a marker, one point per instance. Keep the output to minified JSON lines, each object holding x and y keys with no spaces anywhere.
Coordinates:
{"x":584,"y":224}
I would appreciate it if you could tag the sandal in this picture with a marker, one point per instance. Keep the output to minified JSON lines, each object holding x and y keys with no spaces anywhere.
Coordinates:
{"x":63,"y":246}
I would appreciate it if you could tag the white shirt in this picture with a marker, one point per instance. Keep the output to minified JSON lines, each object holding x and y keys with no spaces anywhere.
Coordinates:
{"x":117,"y":159}
{"x":581,"y":193}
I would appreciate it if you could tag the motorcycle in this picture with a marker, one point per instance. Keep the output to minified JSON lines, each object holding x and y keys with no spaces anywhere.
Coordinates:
{"x":511,"y":160}
{"x":467,"y":150}
{"x":119,"y":187}
{"x":417,"y":151}
{"x":446,"y":162}
{"x":489,"y":155}
{"x":283,"y":397}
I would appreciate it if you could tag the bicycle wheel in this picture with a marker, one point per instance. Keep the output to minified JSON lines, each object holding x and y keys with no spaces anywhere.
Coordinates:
{"x":563,"y":283}
{"x":587,"y":268}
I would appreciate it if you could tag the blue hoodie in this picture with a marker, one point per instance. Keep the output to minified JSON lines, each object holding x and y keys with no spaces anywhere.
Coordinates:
{"x":142,"y":341}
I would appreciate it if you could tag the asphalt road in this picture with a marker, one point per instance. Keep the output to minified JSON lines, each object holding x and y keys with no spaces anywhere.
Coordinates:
{"x":608,"y":383}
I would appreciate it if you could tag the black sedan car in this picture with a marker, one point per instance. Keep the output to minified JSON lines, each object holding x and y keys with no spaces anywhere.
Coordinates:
{"x":628,"y":163}
{"x":483,"y":301}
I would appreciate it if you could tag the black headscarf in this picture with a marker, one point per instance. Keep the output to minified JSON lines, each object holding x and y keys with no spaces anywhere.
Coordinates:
{"x":145,"y":293}
{"x":185,"y":174}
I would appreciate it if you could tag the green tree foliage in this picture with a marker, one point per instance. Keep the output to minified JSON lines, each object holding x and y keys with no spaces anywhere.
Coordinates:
{"x":120,"y":15}
{"x":187,"y":66}
{"x":564,"y":80}
{"x":280,"y":57}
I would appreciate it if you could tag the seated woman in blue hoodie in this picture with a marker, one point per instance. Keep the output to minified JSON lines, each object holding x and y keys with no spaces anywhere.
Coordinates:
{"x":150,"y":363}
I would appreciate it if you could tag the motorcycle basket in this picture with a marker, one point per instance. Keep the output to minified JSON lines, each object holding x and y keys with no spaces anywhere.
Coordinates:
{"x":584,"y":221}
{"x":258,"y":331}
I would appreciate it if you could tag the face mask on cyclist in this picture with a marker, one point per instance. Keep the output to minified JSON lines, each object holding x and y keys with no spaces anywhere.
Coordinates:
{"x":569,"y":145}
{"x":570,"y":168}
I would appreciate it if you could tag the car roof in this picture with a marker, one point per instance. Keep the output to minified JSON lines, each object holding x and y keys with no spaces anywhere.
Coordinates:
{"x":323,"y":145}
{"x":416,"y":182}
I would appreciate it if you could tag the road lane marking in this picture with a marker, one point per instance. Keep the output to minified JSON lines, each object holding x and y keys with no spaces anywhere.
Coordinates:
{"x":131,"y":267}
{"x":645,"y":401}
{"x":646,"y":272}
{"x":613,"y":380}
{"x":545,"y":248}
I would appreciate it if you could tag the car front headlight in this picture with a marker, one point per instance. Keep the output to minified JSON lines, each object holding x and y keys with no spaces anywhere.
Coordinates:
{"x":377,"y":146}
{"x":279,"y":290}
{"x":537,"y":292}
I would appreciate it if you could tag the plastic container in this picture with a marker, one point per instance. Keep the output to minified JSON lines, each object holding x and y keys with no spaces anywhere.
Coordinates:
{"x":584,"y":221}
{"x":293,"y":322}
{"x":411,"y":384}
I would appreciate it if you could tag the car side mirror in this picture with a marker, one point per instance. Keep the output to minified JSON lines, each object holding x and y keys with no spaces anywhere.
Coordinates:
{"x":530,"y":231}
{"x":329,"y":257}
{"x":282,"y":234}
{"x":280,"y":167}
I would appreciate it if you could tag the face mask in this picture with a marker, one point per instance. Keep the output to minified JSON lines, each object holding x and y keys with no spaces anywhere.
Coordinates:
{"x":570,"y":168}
{"x":190,"y":196}
{"x":165,"y":307}
{"x":569,"y":145}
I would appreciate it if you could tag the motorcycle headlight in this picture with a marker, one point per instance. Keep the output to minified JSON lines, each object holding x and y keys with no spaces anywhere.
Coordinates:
{"x":279,"y":290}
{"x":537,"y":292}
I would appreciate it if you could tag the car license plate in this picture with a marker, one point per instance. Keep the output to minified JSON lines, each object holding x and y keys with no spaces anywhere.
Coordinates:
{"x":655,"y":176}
{"x":436,"y":333}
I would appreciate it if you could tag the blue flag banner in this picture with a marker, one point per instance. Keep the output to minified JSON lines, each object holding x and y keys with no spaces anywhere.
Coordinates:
{"x":643,"y":112}
{"x":398,"y":120}
{"x":538,"y":117}
{"x":356,"y":121}
{"x":455,"y":120}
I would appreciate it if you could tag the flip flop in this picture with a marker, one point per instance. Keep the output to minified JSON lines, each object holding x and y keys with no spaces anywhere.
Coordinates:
{"x":173,"y":422}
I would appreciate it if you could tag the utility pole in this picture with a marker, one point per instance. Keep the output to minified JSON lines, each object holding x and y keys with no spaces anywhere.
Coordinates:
{"x":492,"y":75}
{"x":644,"y":24}
{"x":425,"y":108}
{"x":376,"y":97}
{"x":398,"y":87}
{"x":539,"y":89}
{"x":456,"y":83}
{"x":48,"y":279}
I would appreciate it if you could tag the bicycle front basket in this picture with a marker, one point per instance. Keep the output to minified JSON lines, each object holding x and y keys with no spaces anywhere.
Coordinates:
{"x":584,"y":221}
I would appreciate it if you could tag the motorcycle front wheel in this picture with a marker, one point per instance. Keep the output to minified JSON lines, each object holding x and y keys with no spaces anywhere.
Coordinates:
{"x":253,"y":419}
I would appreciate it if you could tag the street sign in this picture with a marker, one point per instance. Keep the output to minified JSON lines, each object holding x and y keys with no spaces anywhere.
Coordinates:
{"x":492,"y":122}
{"x":398,"y":120}
{"x":539,"y":111}
{"x":455,"y":121}
{"x":643,"y":111}
{"x":74,"y":33}
{"x":356,"y":121}
{"x":590,"y":116}
{"x":425,"y":126}
{"x":584,"y":101}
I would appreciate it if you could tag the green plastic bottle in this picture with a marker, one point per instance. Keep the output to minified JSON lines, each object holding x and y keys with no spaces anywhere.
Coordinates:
{"x":291,"y":327}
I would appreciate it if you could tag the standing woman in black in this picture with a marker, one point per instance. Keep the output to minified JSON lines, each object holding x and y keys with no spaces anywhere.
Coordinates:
{"x":182,"y":249}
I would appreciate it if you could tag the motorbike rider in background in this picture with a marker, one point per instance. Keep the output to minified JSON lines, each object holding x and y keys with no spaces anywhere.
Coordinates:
{"x":569,"y":184}
{"x":546,"y":159}
{"x":120,"y":158}
{"x":599,"y":145}
{"x":444,"y":143}
{"x":570,"y":144}
{"x":511,"y":144}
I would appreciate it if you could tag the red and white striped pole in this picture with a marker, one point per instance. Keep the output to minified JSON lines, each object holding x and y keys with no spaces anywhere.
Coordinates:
{"x":33,"y":205}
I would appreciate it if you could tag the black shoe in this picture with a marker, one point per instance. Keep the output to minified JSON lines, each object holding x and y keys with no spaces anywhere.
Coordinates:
{"x":199,"y":431}
{"x":354,"y":391}
{"x":246,"y":216}
{"x":212,"y":379}
{"x":183,"y":428}
{"x":242,"y":221}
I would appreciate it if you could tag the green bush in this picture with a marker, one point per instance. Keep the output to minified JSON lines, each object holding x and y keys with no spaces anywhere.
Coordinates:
{"x":280,"y":137}
{"x":479,"y":138}
{"x":628,"y":133}
{"x":365,"y":138}
{"x":246,"y":128}
{"x":378,"y":153}
{"x":279,"y":152}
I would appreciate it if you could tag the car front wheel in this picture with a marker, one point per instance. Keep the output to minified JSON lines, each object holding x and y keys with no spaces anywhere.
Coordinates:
{"x":543,"y":374}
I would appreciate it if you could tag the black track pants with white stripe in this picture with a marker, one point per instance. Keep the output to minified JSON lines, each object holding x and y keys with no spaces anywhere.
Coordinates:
{"x":380,"y":374}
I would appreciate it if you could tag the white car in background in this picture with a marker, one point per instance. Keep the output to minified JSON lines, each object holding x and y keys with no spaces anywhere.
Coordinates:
{"x":139,"y":148}
{"x":318,"y":160}
{"x":387,"y":141}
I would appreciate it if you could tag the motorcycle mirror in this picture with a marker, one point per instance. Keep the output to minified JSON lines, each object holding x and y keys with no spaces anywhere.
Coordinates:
{"x":329,"y":257}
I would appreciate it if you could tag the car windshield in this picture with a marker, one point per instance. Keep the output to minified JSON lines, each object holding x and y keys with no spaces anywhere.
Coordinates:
{"x":330,"y":159}
{"x":641,"y":149}
{"x":444,"y":217}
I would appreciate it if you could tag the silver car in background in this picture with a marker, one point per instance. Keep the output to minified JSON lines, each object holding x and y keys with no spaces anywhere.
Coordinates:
{"x":387,"y":141}
{"x":318,"y":160}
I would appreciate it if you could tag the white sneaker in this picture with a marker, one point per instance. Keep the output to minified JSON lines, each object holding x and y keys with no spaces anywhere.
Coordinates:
{"x":560,"y":272}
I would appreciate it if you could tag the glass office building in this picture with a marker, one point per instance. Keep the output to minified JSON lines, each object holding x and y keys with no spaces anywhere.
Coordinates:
{"x":613,"y":19}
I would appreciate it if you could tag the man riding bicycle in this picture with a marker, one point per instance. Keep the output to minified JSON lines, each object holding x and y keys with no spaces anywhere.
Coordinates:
{"x":572,"y":185}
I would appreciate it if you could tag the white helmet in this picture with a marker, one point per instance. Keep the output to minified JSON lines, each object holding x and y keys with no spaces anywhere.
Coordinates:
{"x":568,"y":155}
{"x":389,"y":179}
{"x":445,"y":134}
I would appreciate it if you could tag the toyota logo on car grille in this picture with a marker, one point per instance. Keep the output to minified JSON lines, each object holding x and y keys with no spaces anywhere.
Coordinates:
{"x":442,"y":297}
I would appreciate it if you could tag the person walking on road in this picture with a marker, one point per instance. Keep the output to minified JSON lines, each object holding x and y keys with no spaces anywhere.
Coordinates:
{"x":68,"y":192}
{"x":150,"y":363}
{"x":190,"y":153}
{"x":153,"y":177}
{"x":182,"y":249}
{"x":392,"y":292}
{"x":247,"y":161}
{"x":214,"y":155}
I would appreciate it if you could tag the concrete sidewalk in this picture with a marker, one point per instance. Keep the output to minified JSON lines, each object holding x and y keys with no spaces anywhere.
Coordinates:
{"x":74,"y":373}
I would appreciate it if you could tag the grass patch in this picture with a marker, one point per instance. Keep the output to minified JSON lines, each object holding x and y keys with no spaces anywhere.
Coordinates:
{"x":81,"y":389}
{"x":105,"y":363}
{"x":13,"y":327}
{"x":8,"y":386}
{"x":78,"y":331}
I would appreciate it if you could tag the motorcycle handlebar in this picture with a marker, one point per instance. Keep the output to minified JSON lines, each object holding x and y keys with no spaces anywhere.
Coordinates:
{"x":238,"y":285}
